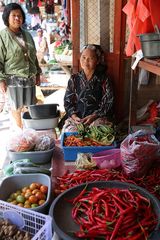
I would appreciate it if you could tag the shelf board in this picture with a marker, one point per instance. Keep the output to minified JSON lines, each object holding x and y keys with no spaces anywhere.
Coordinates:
{"x":151,"y":65}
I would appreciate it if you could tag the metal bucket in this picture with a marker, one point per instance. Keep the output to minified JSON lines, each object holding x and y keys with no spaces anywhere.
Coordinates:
{"x":150,"y":44}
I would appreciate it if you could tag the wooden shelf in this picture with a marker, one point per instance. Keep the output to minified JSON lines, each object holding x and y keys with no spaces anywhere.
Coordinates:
{"x":150,"y":65}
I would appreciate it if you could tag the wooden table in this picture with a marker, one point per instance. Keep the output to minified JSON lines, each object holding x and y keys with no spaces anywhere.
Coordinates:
{"x":66,"y":66}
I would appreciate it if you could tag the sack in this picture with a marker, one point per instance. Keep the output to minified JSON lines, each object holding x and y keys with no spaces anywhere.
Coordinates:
{"x":138,"y":152}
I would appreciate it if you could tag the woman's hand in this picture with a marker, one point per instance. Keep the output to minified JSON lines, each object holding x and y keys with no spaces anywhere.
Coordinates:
{"x":3,"y":86}
{"x":76,"y":118}
{"x":89,"y":119}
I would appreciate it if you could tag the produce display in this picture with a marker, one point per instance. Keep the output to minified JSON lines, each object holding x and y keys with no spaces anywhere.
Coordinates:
{"x":91,"y":136}
{"x":9,"y":231}
{"x":105,"y":213}
{"x":150,"y":182}
{"x":30,"y":196}
{"x":64,"y":49}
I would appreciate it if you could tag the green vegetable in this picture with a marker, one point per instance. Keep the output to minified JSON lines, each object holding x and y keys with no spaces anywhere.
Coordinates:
{"x":27,"y":170}
{"x":20,"y":199}
{"x":8,"y":169}
{"x":24,"y":164}
{"x":103,"y":134}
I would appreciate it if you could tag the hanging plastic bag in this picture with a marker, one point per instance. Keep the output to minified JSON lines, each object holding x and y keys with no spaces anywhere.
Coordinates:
{"x":138,"y":152}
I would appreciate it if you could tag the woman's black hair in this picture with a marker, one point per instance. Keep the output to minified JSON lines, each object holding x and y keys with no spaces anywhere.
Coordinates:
{"x":7,"y":10}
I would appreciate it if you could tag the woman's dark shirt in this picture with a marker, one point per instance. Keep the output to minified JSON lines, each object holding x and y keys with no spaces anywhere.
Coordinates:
{"x":85,"y":97}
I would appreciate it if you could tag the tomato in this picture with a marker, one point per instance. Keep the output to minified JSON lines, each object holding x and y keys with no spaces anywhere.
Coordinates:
{"x":33,"y":199}
{"x":41,"y":202}
{"x":20,"y":199}
{"x":13,"y":196}
{"x":27,"y":195}
{"x":38,"y":185}
{"x":44,"y":189}
{"x":34,"y":205}
{"x":18,"y":192}
{"x":14,"y":202}
{"x":28,"y":190}
{"x":27,"y":202}
{"x":27,"y":206}
{"x":40,"y":195}
{"x":20,"y":204}
{"x":35,"y":191}
{"x":24,"y":189}
{"x":32,"y":186}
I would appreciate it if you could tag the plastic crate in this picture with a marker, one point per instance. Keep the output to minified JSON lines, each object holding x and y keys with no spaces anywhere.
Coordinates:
{"x":37,"y":224}
{"x":70,"y":153}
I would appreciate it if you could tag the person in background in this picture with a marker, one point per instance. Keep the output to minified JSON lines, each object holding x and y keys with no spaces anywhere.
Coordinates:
{"x":41,"y":46}
{"x":89,"y":94}
{"x":19,"y":68}
{"x":2,"y":26}
{"x":2,"y":5}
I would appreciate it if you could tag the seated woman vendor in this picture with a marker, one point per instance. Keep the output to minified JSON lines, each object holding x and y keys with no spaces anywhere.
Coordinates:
{"x":89,"y":95}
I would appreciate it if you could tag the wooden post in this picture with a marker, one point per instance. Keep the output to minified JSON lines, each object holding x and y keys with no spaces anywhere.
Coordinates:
{"x":75,"y":4}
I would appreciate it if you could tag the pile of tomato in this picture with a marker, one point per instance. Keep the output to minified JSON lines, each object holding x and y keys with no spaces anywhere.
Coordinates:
{"x":30,"y":196}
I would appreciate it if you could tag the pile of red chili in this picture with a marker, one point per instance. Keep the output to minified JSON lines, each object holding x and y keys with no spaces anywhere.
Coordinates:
{"x":113,"y":214}
{"x":151,"y":181}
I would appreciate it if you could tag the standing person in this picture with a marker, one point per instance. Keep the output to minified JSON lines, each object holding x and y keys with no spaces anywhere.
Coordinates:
{"x":2,"y":5}
{"x":89,"y":95}
{"x":19,"y":68}
{"x":41,"y":46}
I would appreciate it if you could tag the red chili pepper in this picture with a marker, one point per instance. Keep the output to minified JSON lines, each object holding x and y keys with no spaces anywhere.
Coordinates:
{"x":80,"y":195}
{"x":117,"y":226}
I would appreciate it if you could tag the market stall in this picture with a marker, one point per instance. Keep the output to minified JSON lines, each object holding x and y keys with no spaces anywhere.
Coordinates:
{"x":131,"y":158}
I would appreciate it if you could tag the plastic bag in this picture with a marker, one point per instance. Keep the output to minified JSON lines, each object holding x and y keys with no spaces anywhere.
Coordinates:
{"x":108,"y":159}
{"x":22,"y":141}
{"x":44,"y":143}
{"x":138,"y":152}
{"x":85,"y":161}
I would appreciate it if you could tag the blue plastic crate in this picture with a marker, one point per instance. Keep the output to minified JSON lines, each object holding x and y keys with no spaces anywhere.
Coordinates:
{"x":70,"y":153}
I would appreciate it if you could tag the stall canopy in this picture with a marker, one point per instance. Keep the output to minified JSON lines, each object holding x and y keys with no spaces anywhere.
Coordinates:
{"x":142,"y":16}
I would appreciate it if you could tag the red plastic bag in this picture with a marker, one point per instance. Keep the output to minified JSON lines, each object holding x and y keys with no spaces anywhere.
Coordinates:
{"x":138,"y":152}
